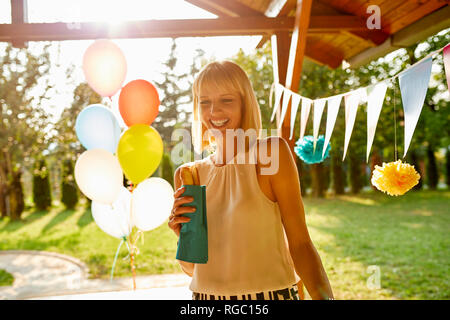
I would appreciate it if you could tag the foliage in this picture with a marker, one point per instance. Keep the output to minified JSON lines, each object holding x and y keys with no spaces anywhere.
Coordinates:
{"x":176,"y":94}
{"x":42,"y":197}
{"x":6,"y":278}
{"x":69,"y":188}
{"x":24,"y":87}
{"x":167,"y":169}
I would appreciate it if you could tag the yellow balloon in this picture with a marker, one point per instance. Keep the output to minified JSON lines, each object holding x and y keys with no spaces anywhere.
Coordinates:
{"x":139,"y":151}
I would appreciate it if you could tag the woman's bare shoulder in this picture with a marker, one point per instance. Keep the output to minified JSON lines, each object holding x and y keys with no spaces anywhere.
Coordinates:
{"x":269,"y":147}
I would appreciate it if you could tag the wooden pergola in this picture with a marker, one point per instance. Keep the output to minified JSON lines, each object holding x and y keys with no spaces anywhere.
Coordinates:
{"x":326,"y":32}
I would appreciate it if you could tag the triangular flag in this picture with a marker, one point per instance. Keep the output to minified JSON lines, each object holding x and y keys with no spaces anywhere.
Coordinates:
{"x":352,"y":101}
{"x":294,"y":107}
{"x":319,"y":105}
{"x":413,"y":86}
{"x":446,"y":55}
{"x":332,"y":111}
{"x":304,"y":114}
{"x":278,"y":92}
{"x":286,"y":97}
{"x":376,"y":94}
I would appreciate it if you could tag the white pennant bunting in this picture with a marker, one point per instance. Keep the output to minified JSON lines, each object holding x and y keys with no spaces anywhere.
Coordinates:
{"x":304,"y":115}
{"x":278,"y":92}
{"x":294,"y":107}
{"x":413,"y":87}
{"x":319,"y":105}
{"x":376,"y":95}
{"x":352,"y":101}
{"x":332,"y":111}
{"x":286,"y":97}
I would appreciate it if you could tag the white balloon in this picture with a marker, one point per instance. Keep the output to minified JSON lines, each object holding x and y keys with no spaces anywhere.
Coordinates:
{"x":151,"y":203}
{"x":115,"y":218}
{"x":98,"y":175}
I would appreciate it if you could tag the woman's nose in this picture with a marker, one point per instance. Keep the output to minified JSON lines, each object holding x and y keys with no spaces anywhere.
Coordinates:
{"x":214,"y":107}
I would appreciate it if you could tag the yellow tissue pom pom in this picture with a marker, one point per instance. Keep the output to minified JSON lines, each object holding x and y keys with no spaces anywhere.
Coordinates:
{"x":395,"y":178}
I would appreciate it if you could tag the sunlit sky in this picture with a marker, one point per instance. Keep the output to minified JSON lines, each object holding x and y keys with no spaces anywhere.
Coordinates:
{"x":144,"y":56}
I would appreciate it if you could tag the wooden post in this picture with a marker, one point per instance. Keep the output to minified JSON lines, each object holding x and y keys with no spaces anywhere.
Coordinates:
{"x":280,"y":56}
{"x":19,"y":15}
{"x":287,"y":65}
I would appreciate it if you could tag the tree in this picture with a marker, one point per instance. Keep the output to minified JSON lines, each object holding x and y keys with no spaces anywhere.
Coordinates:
{"x":23,"y":89}
{"x":69,"y":189}
{"x":176,"y":93}
{"x":167,"y":169}
{"x":41,"y":186}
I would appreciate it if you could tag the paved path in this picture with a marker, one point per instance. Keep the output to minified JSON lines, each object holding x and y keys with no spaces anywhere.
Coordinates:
{"x":48,"y":275}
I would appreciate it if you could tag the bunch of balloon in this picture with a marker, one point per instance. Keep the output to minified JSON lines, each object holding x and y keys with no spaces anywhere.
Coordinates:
{"x":136,"y":152}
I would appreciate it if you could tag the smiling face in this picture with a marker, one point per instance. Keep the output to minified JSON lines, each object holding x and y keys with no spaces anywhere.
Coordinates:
{"x":220,"y":108}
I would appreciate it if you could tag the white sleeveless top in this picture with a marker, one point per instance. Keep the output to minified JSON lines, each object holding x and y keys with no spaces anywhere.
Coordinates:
{"x":247,"y":245}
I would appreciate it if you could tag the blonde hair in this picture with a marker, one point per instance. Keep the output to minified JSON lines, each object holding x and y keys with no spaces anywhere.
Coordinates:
{"x":224,"y":74}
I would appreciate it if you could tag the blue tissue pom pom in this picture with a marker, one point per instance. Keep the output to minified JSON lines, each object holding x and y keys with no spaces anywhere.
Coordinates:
{"x":304,"y":149}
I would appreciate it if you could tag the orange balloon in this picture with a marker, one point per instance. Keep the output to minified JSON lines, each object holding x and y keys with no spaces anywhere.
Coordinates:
{"x":138,"y":103}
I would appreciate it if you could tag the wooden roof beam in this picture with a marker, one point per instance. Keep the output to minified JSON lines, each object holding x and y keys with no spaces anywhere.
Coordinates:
{"x":171,"y":28}
{"x":372,"y":37}
{"x":277,"y":8}
{"x":145,"y":29}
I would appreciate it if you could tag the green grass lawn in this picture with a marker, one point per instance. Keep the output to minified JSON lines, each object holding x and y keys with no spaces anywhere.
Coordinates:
{"x":6,"y":278}
{"x":405,"y":238}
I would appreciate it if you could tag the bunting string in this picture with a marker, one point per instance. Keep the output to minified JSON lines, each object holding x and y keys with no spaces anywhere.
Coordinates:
{"x":432,"y":54}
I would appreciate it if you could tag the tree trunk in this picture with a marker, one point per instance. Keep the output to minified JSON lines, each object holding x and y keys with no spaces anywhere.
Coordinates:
{"x":355,"y":174}
{"x":4,"y":187}
{"x":16,"y":196}
{"x":2,"y":200}
{"x":447,"y":166}
{"x":416,"y":164}
{"x":317,"y":180}
{"x":433,"y":175}
{"x":338,"y":175}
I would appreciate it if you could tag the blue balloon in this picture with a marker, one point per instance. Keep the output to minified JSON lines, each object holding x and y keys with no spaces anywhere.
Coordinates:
{"x":97,"y":127}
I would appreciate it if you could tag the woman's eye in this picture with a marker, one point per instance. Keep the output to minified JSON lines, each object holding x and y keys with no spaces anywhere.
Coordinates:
{"x":204,"y":102}
{"x":227,"y":100}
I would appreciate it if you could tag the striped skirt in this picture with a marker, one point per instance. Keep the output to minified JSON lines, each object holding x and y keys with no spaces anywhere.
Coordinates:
{"x":290,"y":293}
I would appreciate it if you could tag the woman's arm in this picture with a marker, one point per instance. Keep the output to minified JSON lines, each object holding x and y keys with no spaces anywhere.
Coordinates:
{"x":187,"y":267}
{"x":286,"y":187}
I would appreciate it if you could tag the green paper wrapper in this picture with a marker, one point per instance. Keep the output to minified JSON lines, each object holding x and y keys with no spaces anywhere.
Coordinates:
{"x":193,"y":241}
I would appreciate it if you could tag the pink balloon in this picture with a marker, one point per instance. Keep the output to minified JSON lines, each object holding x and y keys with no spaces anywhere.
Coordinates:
{"x":104,"y":67}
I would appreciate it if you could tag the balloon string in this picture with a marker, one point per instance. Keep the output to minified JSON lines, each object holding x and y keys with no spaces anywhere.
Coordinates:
{"x":124,"y":239}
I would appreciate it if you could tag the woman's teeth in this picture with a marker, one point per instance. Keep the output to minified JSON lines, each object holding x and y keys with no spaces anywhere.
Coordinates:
{"x":219,"y":124}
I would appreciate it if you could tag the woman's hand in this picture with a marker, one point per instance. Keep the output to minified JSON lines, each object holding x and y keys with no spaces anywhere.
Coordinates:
{"x":175,"y":219}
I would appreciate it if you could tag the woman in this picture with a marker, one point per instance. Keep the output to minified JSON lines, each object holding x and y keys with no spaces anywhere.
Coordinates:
{"x":258,"y":242}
